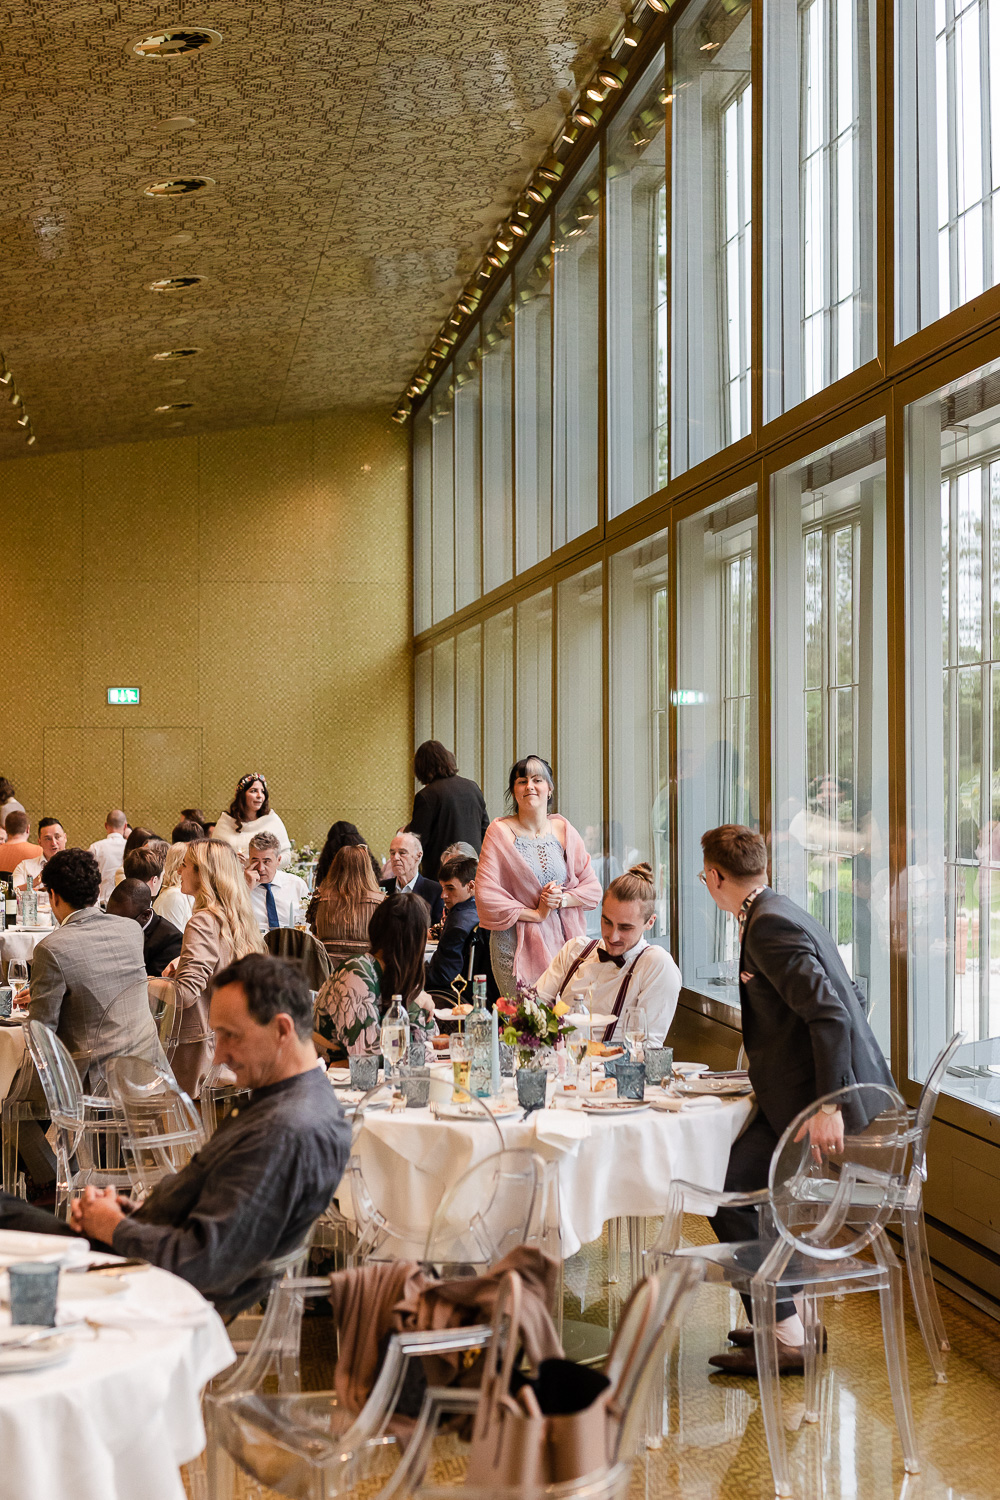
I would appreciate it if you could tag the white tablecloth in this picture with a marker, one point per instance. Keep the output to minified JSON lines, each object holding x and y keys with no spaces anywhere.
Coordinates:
{"x":16,"y":942}
{"x":118,"y":1418}
{"x":12,"y":1048}
{"x":608,"y":1168}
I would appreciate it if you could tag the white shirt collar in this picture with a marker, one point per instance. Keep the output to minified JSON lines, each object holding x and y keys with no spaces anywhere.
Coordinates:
{"x":410,"y":886}
{"x":630,"y":953}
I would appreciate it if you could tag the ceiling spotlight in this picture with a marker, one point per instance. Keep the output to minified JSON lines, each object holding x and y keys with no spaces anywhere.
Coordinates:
{"x":538,"y":192}
{"x":632,"y":35}
{"x":178,"y":187}
{"x":570,"y":135}
{"x":587,"y":115}
{"x":660,"y":6}
{"x":14,"y":398}
{"x":597,"y":91}
{"x":32,"y":440}
{"x":6,"y":378}
{"x":175,"y":283}
{"x":552,"y":169}
{"x":523,"y":209}
{"x":518,"y":228}
{"x":175,"y":406}
{"x":400,"y":415}
{"x":174,"y":42}
{"x":24,"y":421}
{"x":612,"y":74}
{"x":175,"y":353}
{"x":505,"y":241}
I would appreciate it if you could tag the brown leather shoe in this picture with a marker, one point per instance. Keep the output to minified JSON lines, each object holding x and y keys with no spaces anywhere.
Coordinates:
{"x":744,"y":1362}
{"x":743,"y":1338}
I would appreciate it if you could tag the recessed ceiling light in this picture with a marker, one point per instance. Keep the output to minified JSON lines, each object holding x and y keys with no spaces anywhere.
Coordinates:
{"x":175,"y":353}
{"x":174,"y":42}
{"x":178,"y":187}
{"x":176,"y":406}
{"x":176,"y":122}
{"x":175,"y":283}
{"x":183,"y":238}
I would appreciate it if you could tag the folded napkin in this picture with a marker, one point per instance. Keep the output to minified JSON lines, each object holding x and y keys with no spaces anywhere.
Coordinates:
{"x":561,"y":1128}
{"x":50,"y":1249}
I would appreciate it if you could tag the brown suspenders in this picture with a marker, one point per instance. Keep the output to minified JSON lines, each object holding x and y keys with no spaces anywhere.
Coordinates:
{"x":581,"y":957}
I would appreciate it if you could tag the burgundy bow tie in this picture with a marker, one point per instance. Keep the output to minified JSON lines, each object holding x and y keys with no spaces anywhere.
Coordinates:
{"x":611,"y":958}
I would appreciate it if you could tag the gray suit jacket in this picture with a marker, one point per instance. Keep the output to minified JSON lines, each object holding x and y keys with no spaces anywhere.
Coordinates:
{"x":77,"y":972}
{"x":804,"y":1023}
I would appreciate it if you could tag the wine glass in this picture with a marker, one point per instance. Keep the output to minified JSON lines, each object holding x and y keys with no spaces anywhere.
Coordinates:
{"x":577,"y":1038}
{"x":17,"y":977}
{"x":634,"y":1032}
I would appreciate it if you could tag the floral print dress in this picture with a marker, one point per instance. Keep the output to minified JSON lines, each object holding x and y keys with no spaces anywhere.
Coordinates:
{"x":349,"y":1008}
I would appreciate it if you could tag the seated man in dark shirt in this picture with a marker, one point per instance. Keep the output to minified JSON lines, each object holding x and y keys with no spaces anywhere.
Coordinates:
{"x":458,"y":888}
{"x":161,"y":940}
{"x":251,"y":1194}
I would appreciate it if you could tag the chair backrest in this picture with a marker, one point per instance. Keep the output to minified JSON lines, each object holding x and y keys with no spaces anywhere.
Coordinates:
{"x":648,"y":1322}
{"x":58,"y":1075}
{"x":498,"y":1204}
{"x":830,"y":1203}
{"x":301,"y":948}
{"x":927,"y":1103}
{"x":160,"y":992}
{"x":162,"y":1125}
{"x":126,"y":1029}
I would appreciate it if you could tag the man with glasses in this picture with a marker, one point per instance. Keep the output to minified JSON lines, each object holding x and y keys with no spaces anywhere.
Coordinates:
{"x":806,"y":1034}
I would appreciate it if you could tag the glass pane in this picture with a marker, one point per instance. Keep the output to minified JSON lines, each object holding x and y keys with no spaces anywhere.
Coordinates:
{"x":423,"y":711}
{"x":636,"y":198}
{"x":442,"y":431}
{"x":716,"y":700}
{"x":953,"y":739}
{"x":830,"y":751}
{"x":947,"y":156}
{"x":468,"y":511}
{"x":576,"y":415}
{"x":498,"y":472}
{"x":579,"y":766}
{"x":422,"y":549}
{"x":710,"y":97}
{"x":498,"y":708}
{"x":639,"y":828}
{"x":444,"y":692}
{"x":533,"y":399}
{"x":534,"y":677}
{"x":819,"y":196}
{"x":468,"y":700}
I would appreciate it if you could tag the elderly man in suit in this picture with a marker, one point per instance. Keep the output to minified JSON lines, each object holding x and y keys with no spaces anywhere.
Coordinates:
{"x":806,"y":1034}
{"x":90,"y":963}
{"x":403,"y":871}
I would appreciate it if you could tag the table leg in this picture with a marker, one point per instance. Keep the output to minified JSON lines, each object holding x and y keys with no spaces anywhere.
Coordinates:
{"x":614,"y":1250}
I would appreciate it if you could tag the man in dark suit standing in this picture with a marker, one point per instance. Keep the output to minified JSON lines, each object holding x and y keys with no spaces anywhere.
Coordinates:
{"x":161,"y":940}
{"x":403,"y":867}
{"x":805,"y":1032}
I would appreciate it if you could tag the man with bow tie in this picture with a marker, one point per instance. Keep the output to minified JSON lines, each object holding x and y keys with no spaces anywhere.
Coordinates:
{"x":621,"y":969}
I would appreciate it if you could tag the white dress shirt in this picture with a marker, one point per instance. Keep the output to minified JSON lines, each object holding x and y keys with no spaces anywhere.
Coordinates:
{"x":109,"y":854}
{"x":32,"y":867}
{"x":174,"y":906}
{"x":290,"y":897}
{"x":654,"y":986}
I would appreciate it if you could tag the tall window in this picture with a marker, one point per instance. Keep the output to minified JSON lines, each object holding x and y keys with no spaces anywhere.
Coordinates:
{"x":498,"y":707}
{"x":709,"y":94}
{"x":468,"y":495}
{"x":533,"y":399}
{"x":948,"y":156}
{"x":716,"y":706}
{"x":443,"y":496}
{"x":953,"y":647}
{"x":819,"y":319}
{"x":830,"y":744}
{"x":423,"y":704}
{"x":498,"y":424}
{"x":636,"y":198}
{"x":639,"y":826}
{"x":579,"y":764}
{"x":423,"y":615}
{"x":468,"y":700}
{"x":444,"y":692}
{"x":576,"y":415}
{"x":534,"y":676}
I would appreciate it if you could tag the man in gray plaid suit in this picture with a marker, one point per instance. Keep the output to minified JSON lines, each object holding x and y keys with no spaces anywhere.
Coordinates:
{"x":88,"y":985}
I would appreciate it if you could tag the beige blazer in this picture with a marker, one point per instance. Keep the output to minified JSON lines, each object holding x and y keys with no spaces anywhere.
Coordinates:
{"x":206,"y":950}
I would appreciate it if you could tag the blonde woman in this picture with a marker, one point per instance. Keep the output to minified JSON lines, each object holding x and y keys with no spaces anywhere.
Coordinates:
{"x":342,"y":907}
{"x":171,"y":903}
{"x":222,"y":928}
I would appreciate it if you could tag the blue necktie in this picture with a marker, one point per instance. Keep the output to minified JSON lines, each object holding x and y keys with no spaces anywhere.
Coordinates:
{"x":272,"y":910}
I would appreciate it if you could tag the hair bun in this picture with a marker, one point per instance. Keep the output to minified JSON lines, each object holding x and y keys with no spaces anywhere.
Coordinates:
{"x":642,"y":872}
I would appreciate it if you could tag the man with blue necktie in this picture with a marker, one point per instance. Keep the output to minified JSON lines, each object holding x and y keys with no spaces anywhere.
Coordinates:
{"x":277,"y":897}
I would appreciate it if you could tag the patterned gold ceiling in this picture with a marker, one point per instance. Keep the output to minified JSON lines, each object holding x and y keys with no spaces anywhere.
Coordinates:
{"x":362,"y":154}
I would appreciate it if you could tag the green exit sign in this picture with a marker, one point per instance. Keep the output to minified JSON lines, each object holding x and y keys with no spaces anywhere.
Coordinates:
{"x":123,"y":695}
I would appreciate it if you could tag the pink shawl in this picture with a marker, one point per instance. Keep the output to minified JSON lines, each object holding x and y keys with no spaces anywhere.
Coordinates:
{"x":505,"y":883}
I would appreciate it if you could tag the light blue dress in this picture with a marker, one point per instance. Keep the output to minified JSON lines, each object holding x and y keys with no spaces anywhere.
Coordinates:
{"x":547,"y":859}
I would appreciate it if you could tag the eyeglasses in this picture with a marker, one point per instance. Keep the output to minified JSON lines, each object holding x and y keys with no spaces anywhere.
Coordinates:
{"x":703,"y":877}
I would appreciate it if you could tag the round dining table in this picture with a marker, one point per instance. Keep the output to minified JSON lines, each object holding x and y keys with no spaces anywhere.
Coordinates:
{"x":116,"y":1418}
{"x":21,"y":942}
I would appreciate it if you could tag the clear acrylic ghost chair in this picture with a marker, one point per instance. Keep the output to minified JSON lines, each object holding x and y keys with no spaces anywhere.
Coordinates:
{"x":162,"y":1127}
{"x":89,"y":1128}
{"x":648,"y":1323}
{"x":611,"y":1485}
{"x":818,"y":1227}
{"x":126,"y":1029}
{"x":379,"y":1233}
{"x":19,"y":1105}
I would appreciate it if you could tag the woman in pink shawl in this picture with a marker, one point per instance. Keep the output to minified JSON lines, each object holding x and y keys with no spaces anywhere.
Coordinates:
{"x":534,"y":882}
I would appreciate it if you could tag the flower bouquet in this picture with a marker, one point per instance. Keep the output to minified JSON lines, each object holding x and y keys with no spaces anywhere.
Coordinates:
{"x":529,"y":1024}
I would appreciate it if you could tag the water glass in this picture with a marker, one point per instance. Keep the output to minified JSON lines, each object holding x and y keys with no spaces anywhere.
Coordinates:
{"x":364,"y":1071}
{"x":531,"y":1087}
{"x":659,"y":1063}
{"x":415,"y":1084}
{"x":6,"y":1000}
{"x":631,"y":1079}
{"x":634,"y":1031}
{"x":33,"y":1292}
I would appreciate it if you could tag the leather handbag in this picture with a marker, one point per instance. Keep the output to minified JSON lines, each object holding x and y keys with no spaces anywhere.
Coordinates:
{"x":560,"y":1425}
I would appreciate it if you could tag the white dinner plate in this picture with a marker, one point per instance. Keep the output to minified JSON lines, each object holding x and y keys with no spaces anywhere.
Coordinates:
{"x":731,"y":1087}
{"x":614,"y":1106}
{"x":584,"y":1022}
{"x":468,"y":1112}
{"x":689,"y":1069}
{"x":35,"y":1356}
{"x":21,"y":1244}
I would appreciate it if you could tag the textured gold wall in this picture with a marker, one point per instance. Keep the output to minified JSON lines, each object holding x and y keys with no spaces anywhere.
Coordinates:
{"x":254,"y":584}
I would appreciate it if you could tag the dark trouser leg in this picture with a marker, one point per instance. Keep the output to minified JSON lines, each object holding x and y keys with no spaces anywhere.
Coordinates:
{"x":749,"y":1162}
{"x":35,"y":1152}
